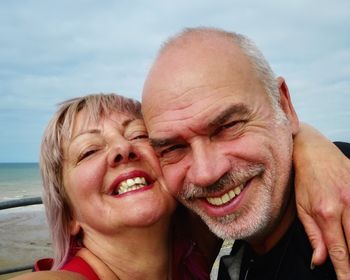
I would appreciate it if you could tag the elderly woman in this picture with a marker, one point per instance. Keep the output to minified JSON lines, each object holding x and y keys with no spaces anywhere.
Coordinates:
{"x":106,"y":204}
{"x":107,"y":208}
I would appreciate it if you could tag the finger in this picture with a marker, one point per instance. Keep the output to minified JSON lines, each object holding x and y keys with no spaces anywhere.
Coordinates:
{"x":346,"y":227}
{"x":337,"y":248}
{"x":315,"y":237}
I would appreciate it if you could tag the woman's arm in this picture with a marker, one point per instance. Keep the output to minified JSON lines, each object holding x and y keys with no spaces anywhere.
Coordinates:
{"x":322,"y":187}
{"x":52,"y":275}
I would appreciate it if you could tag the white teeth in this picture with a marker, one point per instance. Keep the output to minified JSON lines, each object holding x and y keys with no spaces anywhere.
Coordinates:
{"x":231,"y":194}
{"x":138,"y":180}
{"x":237,"y":190}
{"x":225,"y":198}
{"x":131,"y":184}
{"x":217,"y":201}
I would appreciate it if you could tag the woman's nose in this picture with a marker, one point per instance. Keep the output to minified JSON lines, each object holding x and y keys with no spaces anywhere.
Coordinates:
{"x":129,"y":157}
{"x":123,"y":152}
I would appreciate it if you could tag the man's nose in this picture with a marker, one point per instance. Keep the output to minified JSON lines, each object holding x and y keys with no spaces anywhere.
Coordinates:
{"x":208,"y":164}
{"x":122,"y":152}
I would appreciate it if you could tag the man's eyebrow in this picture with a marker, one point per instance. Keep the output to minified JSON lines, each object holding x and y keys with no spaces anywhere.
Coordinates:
{"x":236,"y":109}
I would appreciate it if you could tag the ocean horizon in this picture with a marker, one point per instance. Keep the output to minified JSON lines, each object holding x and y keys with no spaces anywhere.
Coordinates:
{"x":24,"y":231}
{"x":19,"y":180}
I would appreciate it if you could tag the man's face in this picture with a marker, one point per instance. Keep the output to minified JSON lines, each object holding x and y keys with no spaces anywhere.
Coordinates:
{"x":221,"y":150}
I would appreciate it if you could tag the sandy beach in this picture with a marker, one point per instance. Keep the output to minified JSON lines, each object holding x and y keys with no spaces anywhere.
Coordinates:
{"x":24,"y":237}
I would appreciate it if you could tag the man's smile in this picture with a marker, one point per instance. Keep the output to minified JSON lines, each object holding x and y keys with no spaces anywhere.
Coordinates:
{"x":226,"y":197}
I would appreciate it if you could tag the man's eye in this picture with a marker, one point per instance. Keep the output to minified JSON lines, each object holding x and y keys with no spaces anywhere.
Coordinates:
{"x":229,"y":130}
{"x":171,"y":149}
{"x":231,"y":124}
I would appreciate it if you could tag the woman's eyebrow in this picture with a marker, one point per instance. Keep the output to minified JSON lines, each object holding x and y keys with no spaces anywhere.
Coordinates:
{"x":129,"y":121}
{"x":89,"y":131}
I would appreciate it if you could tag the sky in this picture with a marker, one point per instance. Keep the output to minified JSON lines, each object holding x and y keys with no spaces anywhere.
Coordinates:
{"x":54,"y":50}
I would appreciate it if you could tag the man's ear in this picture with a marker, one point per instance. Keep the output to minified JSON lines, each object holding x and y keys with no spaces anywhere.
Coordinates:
{"x":74,"y":227}
{"x":287,"y":105}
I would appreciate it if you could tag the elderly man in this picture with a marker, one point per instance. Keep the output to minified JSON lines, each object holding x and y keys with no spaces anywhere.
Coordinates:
{"x":223,"y":126}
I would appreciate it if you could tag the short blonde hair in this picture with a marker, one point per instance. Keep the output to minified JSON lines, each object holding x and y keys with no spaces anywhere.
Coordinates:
{"x":59,"y":130}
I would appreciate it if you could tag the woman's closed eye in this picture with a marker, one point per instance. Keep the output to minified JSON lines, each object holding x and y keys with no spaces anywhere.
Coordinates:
{"x":140,"y":136}
{"x":87,"y":153}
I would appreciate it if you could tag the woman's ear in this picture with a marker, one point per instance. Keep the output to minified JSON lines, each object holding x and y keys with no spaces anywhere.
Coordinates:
{"x":74,"y":227}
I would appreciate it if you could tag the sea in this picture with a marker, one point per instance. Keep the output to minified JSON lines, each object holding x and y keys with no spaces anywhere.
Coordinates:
{"x":24,"y":234}
{"x":19,"y":180}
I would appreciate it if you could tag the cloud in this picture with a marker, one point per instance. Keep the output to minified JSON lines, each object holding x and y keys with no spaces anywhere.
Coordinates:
{"x":53,"y":50}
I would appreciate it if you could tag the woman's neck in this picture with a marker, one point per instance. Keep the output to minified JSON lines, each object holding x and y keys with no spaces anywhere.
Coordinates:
{"x":134,"y":253}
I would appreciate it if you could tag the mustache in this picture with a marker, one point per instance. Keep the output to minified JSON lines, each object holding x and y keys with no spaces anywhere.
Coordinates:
{"x":235,"y":177}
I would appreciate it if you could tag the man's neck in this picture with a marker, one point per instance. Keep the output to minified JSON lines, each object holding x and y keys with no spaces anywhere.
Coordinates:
{"x":264,"y":245}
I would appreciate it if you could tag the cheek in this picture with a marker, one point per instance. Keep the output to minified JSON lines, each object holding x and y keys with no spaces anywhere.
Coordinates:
{"x":153,"y":160}
{"x":174,"y":176}
{"x":254,"y":147}
{"x":86,"y":179}
{"x":149,"y":156}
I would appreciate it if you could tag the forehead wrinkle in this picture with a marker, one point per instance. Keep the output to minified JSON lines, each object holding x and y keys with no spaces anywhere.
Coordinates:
{"x":201,"y":128}
{"x":177,"y":97}
{"x":184,"y":99}
{"x":183,"y":111}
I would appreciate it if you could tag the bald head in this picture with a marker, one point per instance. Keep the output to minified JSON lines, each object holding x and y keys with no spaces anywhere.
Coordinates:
{"x":184,"y":60}
{"x":207,"y":36}
{"x":200,"y":47}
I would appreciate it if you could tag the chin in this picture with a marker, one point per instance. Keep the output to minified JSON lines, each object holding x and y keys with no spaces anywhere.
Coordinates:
{"x":148,"y":216}
{"x":244,"y":230}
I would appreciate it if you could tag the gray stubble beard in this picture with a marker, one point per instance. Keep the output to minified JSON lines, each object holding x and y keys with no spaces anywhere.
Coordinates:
{"x":226,"y":226}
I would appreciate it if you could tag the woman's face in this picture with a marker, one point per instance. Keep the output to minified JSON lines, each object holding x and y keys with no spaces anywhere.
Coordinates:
{"x":112,"y":176}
